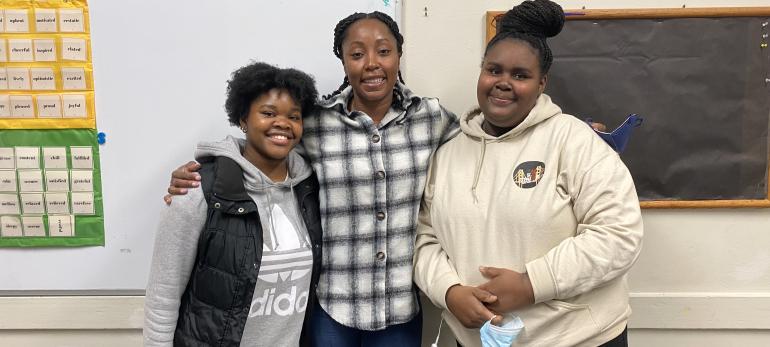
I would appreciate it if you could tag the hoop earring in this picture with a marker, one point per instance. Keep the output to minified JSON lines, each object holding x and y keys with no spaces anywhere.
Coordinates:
{"x":243,"y":129}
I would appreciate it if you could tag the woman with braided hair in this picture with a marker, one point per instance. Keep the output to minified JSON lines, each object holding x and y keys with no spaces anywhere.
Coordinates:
{"x":370,"y":145}
{"x":539,"y":219}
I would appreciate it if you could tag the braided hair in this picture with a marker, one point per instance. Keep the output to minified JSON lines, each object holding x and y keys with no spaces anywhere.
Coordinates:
{"x":532,"y":21}
{"x":341,"y":31}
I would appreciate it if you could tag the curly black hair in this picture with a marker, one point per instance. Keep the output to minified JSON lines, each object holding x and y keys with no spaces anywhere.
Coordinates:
{"x":341,"y":31}
{"x":251,"y":81}
{"x":532,"y":21}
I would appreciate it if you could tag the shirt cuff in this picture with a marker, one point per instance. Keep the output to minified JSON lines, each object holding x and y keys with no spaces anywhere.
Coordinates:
{"x":543,"y":284}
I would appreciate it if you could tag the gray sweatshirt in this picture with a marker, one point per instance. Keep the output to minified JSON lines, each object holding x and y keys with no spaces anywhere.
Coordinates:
{"x":281,"y":292}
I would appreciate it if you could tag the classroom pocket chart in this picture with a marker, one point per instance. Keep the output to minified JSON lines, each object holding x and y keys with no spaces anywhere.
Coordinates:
{"x":50,"y":188}
{"x":50,"y":177}
{"x":45,"y":65}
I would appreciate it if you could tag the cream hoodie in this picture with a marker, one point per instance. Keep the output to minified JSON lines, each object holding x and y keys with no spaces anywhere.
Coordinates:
{"x":548,"y":198}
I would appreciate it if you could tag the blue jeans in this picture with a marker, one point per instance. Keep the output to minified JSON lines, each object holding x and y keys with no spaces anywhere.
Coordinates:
{"x":326,"y":332}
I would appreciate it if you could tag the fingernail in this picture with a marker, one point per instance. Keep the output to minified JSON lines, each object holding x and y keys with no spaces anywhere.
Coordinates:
{"x":195,"y":184}
{"x":183,"y":191}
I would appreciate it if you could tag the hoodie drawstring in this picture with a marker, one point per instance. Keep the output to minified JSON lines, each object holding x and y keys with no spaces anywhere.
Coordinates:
{"x":297,"y":215}
{"x":435,"y":343}
{"x":273,"y":234}
{"x":478,"y":171}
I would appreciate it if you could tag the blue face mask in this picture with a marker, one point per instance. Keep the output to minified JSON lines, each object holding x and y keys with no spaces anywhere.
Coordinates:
{"x":501,"y":336}
{"x":618,"y":138}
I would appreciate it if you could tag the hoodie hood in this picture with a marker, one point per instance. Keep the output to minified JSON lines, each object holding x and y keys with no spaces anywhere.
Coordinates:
{"x":282,"y":226}
{"x":254,"y":179}
{"x":470,"y":123}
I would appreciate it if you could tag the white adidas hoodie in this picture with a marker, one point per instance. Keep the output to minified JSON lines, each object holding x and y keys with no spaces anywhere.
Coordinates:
{"x":548,"y":198}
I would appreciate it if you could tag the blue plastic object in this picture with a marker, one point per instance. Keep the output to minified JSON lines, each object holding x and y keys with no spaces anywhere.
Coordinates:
{"x":101,"y":138}
{"x":618,"y":138}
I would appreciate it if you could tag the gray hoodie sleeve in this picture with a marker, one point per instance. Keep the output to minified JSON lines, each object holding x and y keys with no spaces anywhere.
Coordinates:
{"x":173,"y":258}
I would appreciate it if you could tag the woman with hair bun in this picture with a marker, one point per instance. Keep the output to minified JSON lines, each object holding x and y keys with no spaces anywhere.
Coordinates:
{"x":539,"y":219}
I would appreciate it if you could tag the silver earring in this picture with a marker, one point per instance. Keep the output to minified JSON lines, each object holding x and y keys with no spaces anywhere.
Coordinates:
{"x":243,"y":129}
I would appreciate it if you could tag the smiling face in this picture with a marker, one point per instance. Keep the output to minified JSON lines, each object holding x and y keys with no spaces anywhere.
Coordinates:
{"x":371,"y":60}
{"x":273,"y":127}
{"x":509,"y":83}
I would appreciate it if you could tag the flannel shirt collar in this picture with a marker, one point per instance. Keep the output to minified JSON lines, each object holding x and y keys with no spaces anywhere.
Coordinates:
{"x":340,"y":101}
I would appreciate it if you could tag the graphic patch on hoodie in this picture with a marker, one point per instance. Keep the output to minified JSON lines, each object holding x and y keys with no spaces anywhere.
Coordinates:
{"x":528,"y":174}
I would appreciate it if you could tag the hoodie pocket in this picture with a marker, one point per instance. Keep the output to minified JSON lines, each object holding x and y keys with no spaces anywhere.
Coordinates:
{"x":559,"y":322}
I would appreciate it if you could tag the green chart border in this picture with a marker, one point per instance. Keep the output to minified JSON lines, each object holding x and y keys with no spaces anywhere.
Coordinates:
{"x":89,"y":230}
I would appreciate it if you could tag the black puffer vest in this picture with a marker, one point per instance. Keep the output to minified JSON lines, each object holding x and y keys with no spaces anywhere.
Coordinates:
{"x":217,"y":299}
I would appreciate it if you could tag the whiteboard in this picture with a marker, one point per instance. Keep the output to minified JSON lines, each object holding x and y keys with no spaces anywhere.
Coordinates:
{"x":160,"y":72}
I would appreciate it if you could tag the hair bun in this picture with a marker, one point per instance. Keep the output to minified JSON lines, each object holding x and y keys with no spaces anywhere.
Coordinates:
{"x":541,"y":18}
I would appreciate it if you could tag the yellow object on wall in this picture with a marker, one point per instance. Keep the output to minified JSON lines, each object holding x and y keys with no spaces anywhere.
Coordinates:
{"x":46,"y":71}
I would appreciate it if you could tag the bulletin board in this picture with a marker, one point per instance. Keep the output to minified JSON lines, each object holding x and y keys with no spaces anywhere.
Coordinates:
{"x":50,"y":184}
{"x":160,"y":69}
{"x":700,"y":78}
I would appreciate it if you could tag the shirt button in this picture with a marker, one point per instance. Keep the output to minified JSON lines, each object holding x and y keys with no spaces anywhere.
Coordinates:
{"x":380,"y":215}
{"x":380,"y":255}
{"x":380,"y":174}
{"x":375,"y":138}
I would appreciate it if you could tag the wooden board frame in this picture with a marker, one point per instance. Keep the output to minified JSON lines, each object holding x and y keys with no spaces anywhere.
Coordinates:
{"x":662,"y":13}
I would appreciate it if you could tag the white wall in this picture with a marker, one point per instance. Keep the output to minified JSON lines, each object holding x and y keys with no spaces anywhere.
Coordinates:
{"x":703,"y":278}
{"x":160,"y":72}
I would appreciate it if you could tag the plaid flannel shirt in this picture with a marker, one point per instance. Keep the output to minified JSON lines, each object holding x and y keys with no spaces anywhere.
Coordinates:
{"x":372,"y":177}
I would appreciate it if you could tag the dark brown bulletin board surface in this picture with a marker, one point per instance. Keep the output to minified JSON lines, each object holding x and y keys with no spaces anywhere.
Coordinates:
{"x":697,"y":77}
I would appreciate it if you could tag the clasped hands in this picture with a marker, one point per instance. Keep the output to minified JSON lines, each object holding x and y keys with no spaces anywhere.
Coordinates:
{"x":505,"y":291}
